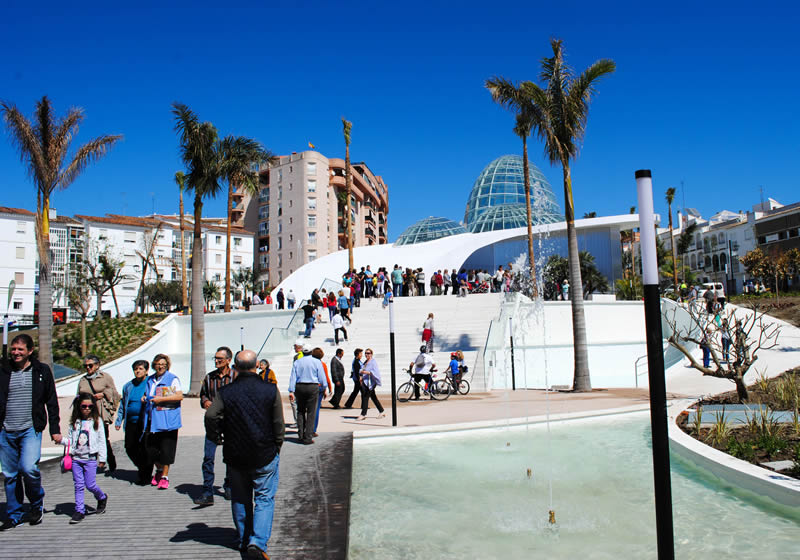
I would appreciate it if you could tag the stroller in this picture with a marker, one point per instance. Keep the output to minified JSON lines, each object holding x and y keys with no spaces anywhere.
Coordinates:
{"x":479,"y":287}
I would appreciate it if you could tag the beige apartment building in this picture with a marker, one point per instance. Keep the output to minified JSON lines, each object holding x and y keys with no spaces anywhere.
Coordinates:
{"x":299,"y":213}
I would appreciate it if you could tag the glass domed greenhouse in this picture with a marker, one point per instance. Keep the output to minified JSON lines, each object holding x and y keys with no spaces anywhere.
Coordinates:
{"x":501,"y":183}
{"x":429,"y":229}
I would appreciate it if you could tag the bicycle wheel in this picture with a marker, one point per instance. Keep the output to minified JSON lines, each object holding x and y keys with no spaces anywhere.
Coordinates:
{"x":405,"y":392}
{"x":440,"y":390}
{"x":463,"y":387}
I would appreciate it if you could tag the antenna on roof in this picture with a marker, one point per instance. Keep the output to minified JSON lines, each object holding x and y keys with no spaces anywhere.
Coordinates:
{"x":761,"y":190}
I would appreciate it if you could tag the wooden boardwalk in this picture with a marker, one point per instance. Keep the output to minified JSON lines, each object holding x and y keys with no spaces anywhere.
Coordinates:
{"x":312,"y":509}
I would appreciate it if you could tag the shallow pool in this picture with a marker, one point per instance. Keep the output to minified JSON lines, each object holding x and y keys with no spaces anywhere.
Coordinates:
{"x":467,"y":495}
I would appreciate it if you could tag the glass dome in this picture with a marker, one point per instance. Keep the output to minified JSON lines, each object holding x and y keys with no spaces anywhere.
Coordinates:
{"x":501,"y":183}
{"x":429,"y":229}
{"x":505,"y":216}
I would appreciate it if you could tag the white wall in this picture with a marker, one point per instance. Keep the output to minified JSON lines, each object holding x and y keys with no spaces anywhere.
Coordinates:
{"x":17,"y":230}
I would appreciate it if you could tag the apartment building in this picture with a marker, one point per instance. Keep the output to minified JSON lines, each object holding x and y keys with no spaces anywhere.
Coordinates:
{"x":301,"y":212}
{"x":18,"y":247}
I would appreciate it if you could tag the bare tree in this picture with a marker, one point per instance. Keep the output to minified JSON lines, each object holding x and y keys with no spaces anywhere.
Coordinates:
{"x":149,"y":242}
{"x":79,"y":296}
{"x":746,"y":330}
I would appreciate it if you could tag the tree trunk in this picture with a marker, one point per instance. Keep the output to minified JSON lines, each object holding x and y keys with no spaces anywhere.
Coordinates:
{"x":84,"y":350}
{"x":198,"y":319}
{"x":184,"y":295}
{"x":348,"y":224}
{"x":114,"y":297}
{"x":98,"y":314}
{"x":45,"y":297}
{"x":531,"y":255}
{"x":741,"y":389}
{"x":140,"y":296}
{"x":581,"y":380}
{"x":228,"y":251}
{"x":674,"y":257}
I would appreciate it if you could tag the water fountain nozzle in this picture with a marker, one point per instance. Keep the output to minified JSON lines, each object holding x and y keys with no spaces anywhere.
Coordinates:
{"x":552,"y":517}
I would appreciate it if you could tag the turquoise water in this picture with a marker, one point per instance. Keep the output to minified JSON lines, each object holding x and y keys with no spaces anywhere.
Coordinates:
{"x":467,"y":495}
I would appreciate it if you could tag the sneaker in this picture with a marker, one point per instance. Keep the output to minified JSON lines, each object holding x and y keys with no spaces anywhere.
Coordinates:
{"x":163,"y":484}
{"x":156,"y":479}
{"x":36,"y":516}
{"x":228,"y":494}
{"x":101,"y":505}
{"x":9,"y":524}
{"x":254,"y":552}
{"x":204,"y":500}
{"x":77,"y":517}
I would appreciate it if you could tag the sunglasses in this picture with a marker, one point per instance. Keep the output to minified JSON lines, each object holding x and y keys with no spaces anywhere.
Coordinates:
{"x":89,"y":366}
{"x":368,"y":353}
{"x":218,"y":359}
{"x":87,"y":406}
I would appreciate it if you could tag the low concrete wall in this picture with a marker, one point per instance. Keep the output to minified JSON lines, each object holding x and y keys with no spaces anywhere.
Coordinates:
{"x":746,"y":476}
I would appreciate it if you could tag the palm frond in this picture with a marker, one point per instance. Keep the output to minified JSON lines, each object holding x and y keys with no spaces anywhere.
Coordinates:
{"x":504,"y":92}
{"x":86,"y":154}
{"x":65,"y":131}
{"x":346,"y":126}
{"x":24,"y":138}
{"x":180,"y":179}
{"x":670,"y":195}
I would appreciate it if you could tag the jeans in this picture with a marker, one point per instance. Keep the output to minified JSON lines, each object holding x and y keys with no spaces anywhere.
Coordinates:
{"x":396,"y":290}
{"x":331,"y":313}
{"x":19,"y":455}
{"x":706,"y":356}
{"x":319,"y":406}
{"x":253,"y":502}
{"x":309,"y":326}
{"x":209,"y":453}
{"x":291,"y":303}
{"x":84,"y":475}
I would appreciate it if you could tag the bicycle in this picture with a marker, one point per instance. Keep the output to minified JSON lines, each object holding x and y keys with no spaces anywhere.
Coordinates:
{"x":463,"y":385}
{"x":439,"y":390}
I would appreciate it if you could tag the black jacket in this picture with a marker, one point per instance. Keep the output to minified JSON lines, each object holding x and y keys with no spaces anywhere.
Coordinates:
{"x":44,"y":395}
{"x":247,"y":416}
{"x":337,"y":370}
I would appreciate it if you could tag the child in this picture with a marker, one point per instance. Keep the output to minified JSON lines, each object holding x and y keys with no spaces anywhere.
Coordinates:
{"x":387,"y":297}
{"x":131,"y":412}
{"x":87,"y":446}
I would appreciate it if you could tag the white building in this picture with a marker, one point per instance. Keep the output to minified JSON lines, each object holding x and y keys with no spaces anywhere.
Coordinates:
{"x":18,"y":248}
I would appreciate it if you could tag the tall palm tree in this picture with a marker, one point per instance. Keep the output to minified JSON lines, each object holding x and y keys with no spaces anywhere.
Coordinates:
{"x":180,"y":180}
{"x":237,"y":155}
{"x":198,"y":146}
{"x":513,"y":96}
{"x":561,"y":110}
{"x":43,"y":147}
{"x":670,"y":197}
{"x":347,"y":126}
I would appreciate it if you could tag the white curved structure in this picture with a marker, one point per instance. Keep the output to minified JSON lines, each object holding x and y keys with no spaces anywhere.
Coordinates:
{"x":454,"y":251}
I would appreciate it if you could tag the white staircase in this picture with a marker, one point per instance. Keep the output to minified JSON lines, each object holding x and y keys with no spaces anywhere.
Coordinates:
{"x":459,"y":324}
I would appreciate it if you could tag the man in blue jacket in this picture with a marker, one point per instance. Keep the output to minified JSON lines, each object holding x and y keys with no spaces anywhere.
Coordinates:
{"x":247,"y":418}
{"x":27,"y":387}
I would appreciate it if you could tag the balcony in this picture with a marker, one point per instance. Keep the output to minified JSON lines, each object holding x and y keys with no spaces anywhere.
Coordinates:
{"x":369,"y":218}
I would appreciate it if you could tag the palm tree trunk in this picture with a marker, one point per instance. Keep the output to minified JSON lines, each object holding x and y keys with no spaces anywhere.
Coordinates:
{"x":348,"y":223}
{"x":45,"y":288}
{"x":531,"y":255}
{"x":114,"y":297}
{"x":674,"y":255}
{"x":228,"y":251}
{"x":581,"y":380}
{"x":198,"y":319}
{"x":184,"y":295}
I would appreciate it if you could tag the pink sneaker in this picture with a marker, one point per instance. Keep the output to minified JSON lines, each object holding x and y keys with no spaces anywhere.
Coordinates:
{"x":163,"y":484}
{"x":156,"y":479}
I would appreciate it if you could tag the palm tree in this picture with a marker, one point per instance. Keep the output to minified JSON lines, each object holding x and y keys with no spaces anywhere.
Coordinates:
{"x":347,"y":126}
{"x":670,"y":198}
{"x":43,"y":146}
{"x":198,"y":150}
{"x":210,"y":292}
{"x":237,"y":155}
{"x":561,"y":109}
{"x":180,"y":180}
{"x":590,"y":214}
{"x":512,"y":96}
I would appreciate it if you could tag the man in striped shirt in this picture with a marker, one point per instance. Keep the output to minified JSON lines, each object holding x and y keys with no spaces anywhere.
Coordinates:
{"x":27,"y":387}
{"x":212,"y":383}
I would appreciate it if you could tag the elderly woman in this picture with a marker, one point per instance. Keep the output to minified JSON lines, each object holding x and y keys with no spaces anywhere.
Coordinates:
{"x":163,"y":397}
{"x":101,"y":386}
{"x":266,"y":373}
{"x":370,"y":380}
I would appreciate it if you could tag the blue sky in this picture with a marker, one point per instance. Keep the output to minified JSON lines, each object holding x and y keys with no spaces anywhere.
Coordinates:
{"x":704,"y":93}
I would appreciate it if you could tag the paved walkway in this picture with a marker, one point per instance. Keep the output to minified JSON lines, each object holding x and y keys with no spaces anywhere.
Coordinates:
{"x":311,"y":510}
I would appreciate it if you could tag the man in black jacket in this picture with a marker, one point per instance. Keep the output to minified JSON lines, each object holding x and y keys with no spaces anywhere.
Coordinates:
{"x":26,"y":388}
{"x":337,"y":377}
{"x":247,"y":418}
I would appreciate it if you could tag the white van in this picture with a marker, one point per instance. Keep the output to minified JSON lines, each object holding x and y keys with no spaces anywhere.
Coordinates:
{"x":715,"y":287}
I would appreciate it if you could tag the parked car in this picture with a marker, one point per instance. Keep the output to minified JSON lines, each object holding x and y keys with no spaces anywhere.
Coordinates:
{"x":716,"y":287}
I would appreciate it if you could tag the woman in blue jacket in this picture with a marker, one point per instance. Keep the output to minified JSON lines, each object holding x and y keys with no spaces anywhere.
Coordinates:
{"x":131,"y":417}
{"x":163,"y":396}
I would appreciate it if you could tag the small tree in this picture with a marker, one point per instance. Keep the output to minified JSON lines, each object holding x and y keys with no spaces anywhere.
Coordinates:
{"x":79,"y":296}
{"x":147,"y":257}
{"x":748,"y":332}
{"x":210,"y":292}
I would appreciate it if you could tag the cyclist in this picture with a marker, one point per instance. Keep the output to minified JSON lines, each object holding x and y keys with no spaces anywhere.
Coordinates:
{"x":454,"y":370}
{"x":423,"y":365}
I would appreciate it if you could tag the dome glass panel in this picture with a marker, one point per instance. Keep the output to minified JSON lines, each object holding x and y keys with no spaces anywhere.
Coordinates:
{"x":429,"y":229}
{"x":501,"y":183}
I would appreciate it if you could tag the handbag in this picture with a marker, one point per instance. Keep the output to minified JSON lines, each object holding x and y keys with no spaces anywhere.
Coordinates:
{"x":66,"y":460}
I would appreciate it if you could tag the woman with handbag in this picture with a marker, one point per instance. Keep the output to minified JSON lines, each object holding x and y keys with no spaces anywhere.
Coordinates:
{"x":101,"y":386}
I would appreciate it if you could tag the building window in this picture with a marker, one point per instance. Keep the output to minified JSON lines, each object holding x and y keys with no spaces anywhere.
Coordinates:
{"x":312,"y":186}
{"x":312,"y":220}
{"x":312,"y":168}
{"x":280,"y":175}
{"x":280,"y":193}
{"x":217,"y":277}
{"x":237,"y":241}
{"x":280,"y":209}
{"x":237,"y":259}
{"x":312,"y":203}
{"x":280,"y":260}
{"x":263,"y":212}
{"x":218,"y":258}
{"x":312,"y":238}
{"x":280,"y":227}
{"x":290,"y":220}
{"x":291,"y":237}
{"x":312,"y":254}
{"x":290,"y":203}
{"x":748,"y":234}
{"x":130,"y":237}
{"x":103,"y":234}
{"x":17,"y":305}
{"x":19,"y":278}
{"x":762,"y":239}
{"x":280,"y":244}
{"x":218,"y":240}
{"x":21,"y":227}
